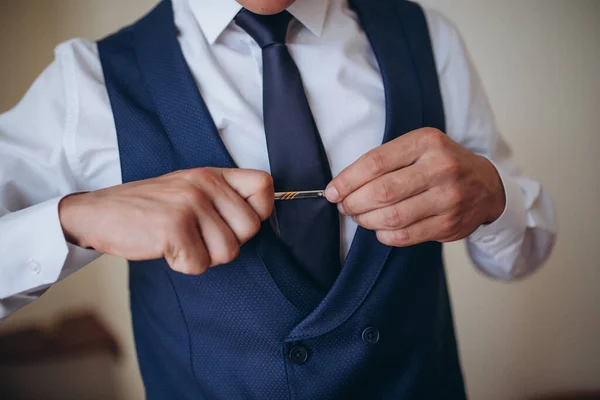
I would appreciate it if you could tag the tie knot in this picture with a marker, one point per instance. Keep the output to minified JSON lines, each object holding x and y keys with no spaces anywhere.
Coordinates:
{"x":265,"y":29}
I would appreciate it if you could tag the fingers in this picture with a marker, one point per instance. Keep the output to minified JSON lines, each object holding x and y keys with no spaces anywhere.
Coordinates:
{"x":441,"y":228}
{"x":221,"y":243}
{"x":400,"y":215}
{"x":423,"y":231}
{"x":228,"y":206}
{"x":188,"y":254}
{"x":256,"y":187}
{"x":394,"y":155}
{"x":237,"y":213}
{"x":389,"y":189}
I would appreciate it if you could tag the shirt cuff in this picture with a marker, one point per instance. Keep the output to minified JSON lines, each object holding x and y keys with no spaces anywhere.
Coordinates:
{"x":510,"y":228}
{"x":34,"y":250}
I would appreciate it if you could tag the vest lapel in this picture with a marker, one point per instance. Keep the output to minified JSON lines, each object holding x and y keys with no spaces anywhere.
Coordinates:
{"x":196,"y":142}
{"x":179,"y":105}
{"x":404,"y":113}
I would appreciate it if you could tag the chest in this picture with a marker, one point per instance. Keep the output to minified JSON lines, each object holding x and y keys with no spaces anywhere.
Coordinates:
{"x":179,"y":107}
{"x":341,"y":77}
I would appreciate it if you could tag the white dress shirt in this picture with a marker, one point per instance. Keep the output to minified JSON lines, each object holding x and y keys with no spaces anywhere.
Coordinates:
{"x":61,"y":137}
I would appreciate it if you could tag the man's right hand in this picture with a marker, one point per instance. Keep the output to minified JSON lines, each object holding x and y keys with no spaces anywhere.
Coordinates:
{"x":195,"y":218}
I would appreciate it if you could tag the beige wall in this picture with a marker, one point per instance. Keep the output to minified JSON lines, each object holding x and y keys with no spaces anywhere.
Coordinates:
{"x":27,"y":36}
{"x":539,"y":60}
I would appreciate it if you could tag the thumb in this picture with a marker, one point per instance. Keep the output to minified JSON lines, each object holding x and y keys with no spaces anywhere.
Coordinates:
{"x":254,"y":186}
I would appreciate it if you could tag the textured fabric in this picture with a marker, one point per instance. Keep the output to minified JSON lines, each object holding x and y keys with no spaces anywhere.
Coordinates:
{"x":255,"y":329}
{"x":310,"y":228}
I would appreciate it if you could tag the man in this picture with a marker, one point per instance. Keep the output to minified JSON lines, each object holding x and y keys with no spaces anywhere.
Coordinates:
{"x":131,"y":147}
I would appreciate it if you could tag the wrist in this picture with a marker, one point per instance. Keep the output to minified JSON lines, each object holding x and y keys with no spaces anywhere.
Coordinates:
{"x":497,"y":195}
{"x":70,"y":212}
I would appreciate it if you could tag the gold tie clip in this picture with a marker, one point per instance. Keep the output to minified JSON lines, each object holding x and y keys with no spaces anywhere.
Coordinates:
{"x":307,"y":194}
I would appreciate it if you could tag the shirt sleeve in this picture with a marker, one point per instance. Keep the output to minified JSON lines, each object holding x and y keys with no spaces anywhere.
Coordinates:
{"x":36,"y":172}
{"x":520,"y":241}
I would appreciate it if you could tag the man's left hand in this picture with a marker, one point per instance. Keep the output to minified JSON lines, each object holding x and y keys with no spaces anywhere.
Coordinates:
{"x":419,"y":187}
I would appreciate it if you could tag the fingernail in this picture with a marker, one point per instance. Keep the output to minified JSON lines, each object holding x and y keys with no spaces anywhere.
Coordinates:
{"x":332,"y":194}
{"x":341,"y":208}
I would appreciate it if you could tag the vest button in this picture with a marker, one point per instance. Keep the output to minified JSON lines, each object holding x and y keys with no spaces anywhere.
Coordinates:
{"x":299,"y":355}
{"x":370,"y":335}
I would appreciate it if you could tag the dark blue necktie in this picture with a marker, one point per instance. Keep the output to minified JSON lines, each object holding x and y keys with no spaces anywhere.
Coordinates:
{"x":309,"y":227}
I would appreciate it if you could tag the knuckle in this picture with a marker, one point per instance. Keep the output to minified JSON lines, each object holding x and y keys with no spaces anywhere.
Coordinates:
{"x":232,"y":253}
{"x":226,"y":254}
{"x":255,"y":226}
{"x":451,"y":167}
{"x":194,"y":195}
{"x":393,"y":218}
{"x":178,"y":258}
{"x":400,"y":237}
{"x":251,"y":228}
{"x":203,"y":263}
{"x":383,"y":192}
{"x":264,"y":181}
{"x":376,"y":162}
{"x":455,"y":196}
{"x":180,"y":267}
{"x":265,"y":212}
{"x":187,"y":268}
{"x":450,"y":224}
{"x":198,"y":173}
{"x":434,"y":136}
{"x":207,"y":176}
{"x":184,"y":257}
{"x":348,"y":207}
{"x":202,"y":266}
{"x":342,"y":183}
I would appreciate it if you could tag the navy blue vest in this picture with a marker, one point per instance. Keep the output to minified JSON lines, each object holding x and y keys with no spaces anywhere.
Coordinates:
{"x":255,"y":328}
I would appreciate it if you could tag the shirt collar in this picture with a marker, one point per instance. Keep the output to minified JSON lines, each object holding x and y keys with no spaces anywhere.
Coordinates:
{"x":214,"y":16}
